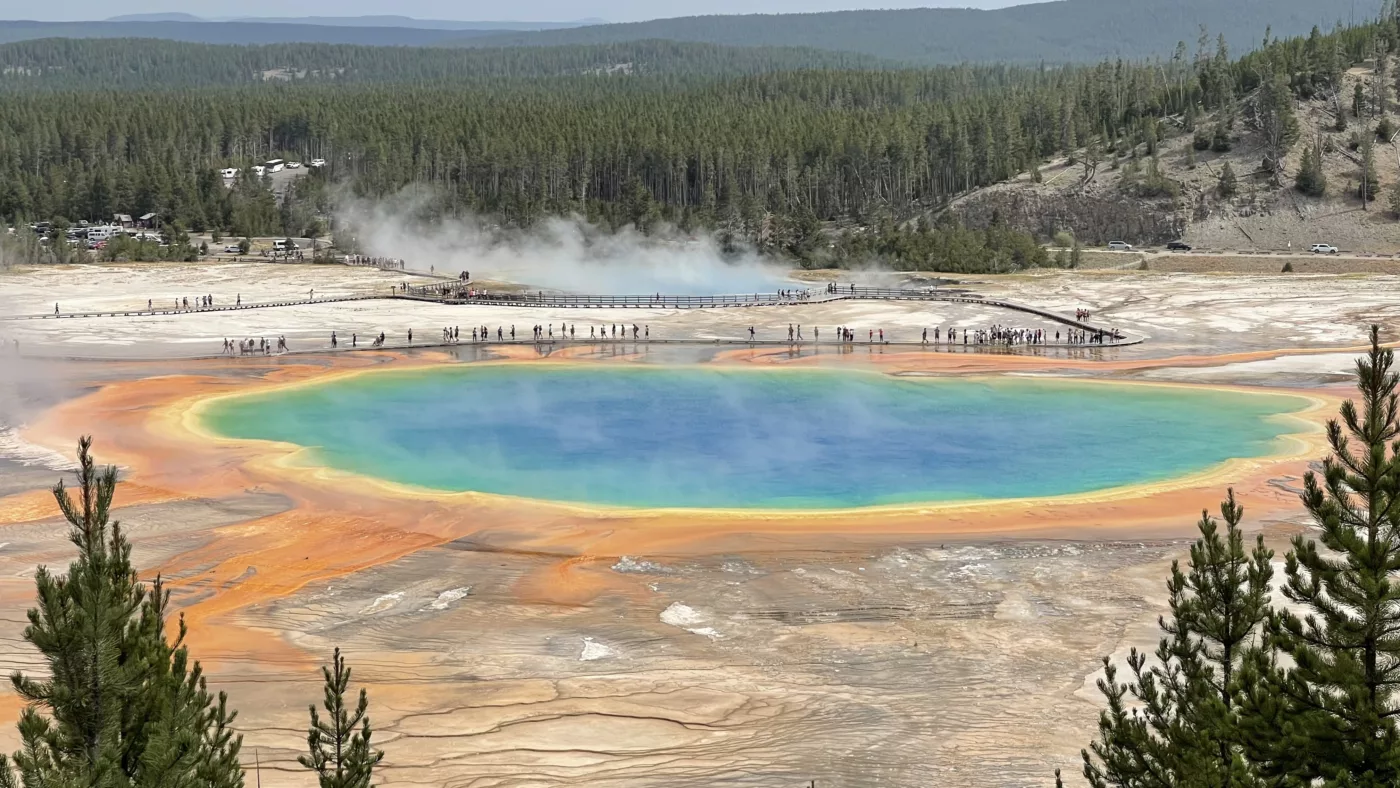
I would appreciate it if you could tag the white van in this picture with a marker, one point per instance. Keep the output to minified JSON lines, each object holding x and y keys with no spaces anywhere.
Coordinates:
{"x":101,"y":233}
{"x":258,"y":170}
{"x":229,"y":173}
{"x":283,"y":245}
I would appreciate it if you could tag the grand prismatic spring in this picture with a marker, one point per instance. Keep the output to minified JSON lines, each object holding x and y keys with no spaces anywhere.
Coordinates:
{"x":686,"y":562}
{"x":701,"y":437}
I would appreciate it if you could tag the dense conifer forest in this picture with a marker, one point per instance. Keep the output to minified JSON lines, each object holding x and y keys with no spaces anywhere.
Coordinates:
{"x":137,"y":63}
{"x":779,"y":159}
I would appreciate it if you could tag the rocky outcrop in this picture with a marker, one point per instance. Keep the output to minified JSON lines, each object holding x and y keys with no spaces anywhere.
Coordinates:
{"x":1094,"y":220}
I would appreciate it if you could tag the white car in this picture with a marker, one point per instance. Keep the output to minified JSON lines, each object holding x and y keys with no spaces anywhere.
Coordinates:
{"x":1323,"y":249}
{"x":229,"y":173}
{"x":1119,"y":246}
{"x":233,"y":249}
{"x":293,"y":165}
{"x":318,"y":162}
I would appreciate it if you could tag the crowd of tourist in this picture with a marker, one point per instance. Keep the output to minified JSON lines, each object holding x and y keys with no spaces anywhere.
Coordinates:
{"x":387,"y":263}
{"x":259,"y":346}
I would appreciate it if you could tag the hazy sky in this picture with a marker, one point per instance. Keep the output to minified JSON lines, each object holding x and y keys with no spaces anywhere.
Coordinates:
{"x":521,"y":10}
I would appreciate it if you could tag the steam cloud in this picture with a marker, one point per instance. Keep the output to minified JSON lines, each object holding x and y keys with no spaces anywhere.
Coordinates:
{"x":570,"y":254}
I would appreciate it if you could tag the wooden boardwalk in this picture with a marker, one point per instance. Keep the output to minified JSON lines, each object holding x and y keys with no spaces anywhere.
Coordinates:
{"x":460,"y":294}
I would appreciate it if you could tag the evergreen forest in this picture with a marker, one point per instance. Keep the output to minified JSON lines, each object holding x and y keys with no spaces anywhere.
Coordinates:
{"x":822,"y":163}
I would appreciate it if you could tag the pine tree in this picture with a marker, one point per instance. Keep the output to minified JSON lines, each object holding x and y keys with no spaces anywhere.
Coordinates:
{"x":1331,"y":714}
{"x":340,"y":755}
{"x":1228,"y":184}
{"x":1278,"y":124}
{"x":122,"y":705}
{"x":1368,"y":183}
{"x":1311,"y":179}
{"x":1175,"y":723}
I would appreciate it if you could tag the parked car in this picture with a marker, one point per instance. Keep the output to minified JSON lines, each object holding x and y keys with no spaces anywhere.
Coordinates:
{"x":1323,"y":249}
{"x":229,"y":173}
{"x":1119,"y":246}
{"x":233,"y":249}
{"x":293,"y":165}
{"x":1178,"y":246}
{"x":318,"y":162}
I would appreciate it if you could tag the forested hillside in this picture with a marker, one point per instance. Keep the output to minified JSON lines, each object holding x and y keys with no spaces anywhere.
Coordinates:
{"x":1063,"y":31}
{"x":1068,"y":31}
{"x":71,"y":63}
{"x":771,"y":158}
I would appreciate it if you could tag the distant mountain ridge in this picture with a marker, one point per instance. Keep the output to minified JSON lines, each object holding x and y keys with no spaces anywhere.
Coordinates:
{"x":1062,"y":31}
{"x":382,"y":20}
{"x":1059,"y":31}
{"x":236,"y":33}
{"x":168,"y":16}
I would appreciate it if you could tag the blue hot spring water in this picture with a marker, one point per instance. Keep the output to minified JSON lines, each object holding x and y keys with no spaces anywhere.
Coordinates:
{"x":698,"y":437}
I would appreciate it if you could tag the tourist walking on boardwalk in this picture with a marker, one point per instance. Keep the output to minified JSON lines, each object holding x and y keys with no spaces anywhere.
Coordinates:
{"x":239,"y":300}
{"x":750,"y":333}
{"x":799,"y":332}
{"x":926,"y":336}
{"x":333,"y":342}
{"x":410,"y":336}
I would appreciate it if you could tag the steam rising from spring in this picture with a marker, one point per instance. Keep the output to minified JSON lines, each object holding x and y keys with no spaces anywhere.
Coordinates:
{"x":565,"y":254}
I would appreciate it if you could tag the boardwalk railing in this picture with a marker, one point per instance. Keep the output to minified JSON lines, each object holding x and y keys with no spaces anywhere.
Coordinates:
{"x":464,"y":293}
{"x":461,"y":293}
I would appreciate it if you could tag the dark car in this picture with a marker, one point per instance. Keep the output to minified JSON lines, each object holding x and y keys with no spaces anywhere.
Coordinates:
{"x":1178,"y":246}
